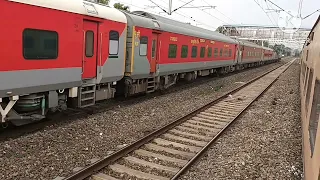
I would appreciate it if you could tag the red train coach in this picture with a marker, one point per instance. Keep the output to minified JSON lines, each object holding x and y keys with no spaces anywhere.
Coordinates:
{"x":51,"y":48}
{"x":160,"y":51}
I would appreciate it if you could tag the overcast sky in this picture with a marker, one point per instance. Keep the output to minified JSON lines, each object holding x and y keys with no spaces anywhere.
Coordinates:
{"x":227,"y":11}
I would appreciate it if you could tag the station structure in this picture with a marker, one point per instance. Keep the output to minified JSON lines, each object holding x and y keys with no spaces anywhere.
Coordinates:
{"x":271,"y":34}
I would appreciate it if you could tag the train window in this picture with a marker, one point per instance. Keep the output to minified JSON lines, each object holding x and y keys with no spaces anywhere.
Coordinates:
{"x":172,"y":51}
{"x":216,"y":52}
{"x":143,"y":46}
{"x":230,"y":52}
{"x":184,"y":51}
{"x":226,"y":53}
{"x":113,"y":43}
{"x":194,"y":51}
{"x":202,"y":52}
{"x":305,"y":80}
{"x":221,"y":52}
{"x":209,"y":52}
{"x":89,"y":43}
{"x":309,"y":85}
{"x":311,"y":36}
{"x":303,"y":71}
{"x":314,"y":117}
{"x":40,"y":44}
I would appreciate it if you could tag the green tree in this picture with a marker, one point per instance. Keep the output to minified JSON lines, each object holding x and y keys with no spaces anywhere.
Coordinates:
{"x":297,"y":52}
{"x":104,"y":1}
{"x":279,"y":49}
{"x":121,"y":7}
{"x":266,"y":43}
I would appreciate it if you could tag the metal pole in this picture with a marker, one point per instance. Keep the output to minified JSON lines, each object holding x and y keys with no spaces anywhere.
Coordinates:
{"x":170,"y":7}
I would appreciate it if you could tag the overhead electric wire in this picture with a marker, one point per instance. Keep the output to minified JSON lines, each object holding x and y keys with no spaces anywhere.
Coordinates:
{"x":183,"y":5}
{"x":158,"y":6}
{"x":271,"y":14}
{"x":264,"y":12}
{"x":206,"y":12}
{"x":185,"y":16}
{"x":220,"y":12}
{"x":188,"y":17}
{"x":311,"y":14}
{"x":280,"y":8}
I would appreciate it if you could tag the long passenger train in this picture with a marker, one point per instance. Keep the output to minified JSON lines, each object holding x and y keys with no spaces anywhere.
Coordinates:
{"x":310,"y":103}
{"x":58,"y":54}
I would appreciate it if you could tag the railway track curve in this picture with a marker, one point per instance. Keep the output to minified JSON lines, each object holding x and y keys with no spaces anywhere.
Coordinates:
{"x":169,"y":151}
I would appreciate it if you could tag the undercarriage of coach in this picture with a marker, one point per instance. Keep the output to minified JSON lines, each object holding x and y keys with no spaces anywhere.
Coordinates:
{"x":22,"y":110}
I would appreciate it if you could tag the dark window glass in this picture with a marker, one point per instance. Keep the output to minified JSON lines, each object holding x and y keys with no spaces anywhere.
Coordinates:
{"x":143,"y":46}
{"x":194,"y":51}
{"x":221,"y":52}
{"x":209,"y":52}
{"x":230,"y":52}
{"x":184,"y":51}
{"x":216,"y":52}
{"x":202,"y":52}
{"x":89,"y":43}
{"x":172,"y":50}
{"x":314,"y":117}
{"x":225,"y":52}
{"x":40,"y":44}
{"x":310,"y":80}
{"x":154,"y":48}
{"x":305,"y":80}
{"x":113,"y":43}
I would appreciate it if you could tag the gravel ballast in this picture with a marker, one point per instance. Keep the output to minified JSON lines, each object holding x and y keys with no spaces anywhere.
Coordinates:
{"x":264,"y":143}
{"x":57,"y":149}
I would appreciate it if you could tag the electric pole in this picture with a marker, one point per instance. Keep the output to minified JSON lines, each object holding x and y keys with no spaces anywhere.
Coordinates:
{"x":170,"y":7}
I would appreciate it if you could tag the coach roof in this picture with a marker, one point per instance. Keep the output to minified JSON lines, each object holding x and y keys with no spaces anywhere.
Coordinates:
{"x":250,"y":44}
{"x":79,"y":7}
{"x":148,"y":20}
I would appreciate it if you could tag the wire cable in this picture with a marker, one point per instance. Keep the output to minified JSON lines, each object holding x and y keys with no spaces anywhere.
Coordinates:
{"x":280,"y":8}
{"x":220,"y":12}
{"x":161,"y":7}
{"x":271,"y":14}
{"x":264,"y":11}
{"x":205,"y":12}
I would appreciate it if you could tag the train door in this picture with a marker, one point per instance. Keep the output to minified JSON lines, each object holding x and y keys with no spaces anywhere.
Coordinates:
{"x":241,"y":49}
{"x":89,"y":61}
{"x":238,"y":57}
{"x":154,"y":52}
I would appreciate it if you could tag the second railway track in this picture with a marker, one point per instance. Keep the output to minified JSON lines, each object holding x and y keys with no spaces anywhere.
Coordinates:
{"x":169,"y":151}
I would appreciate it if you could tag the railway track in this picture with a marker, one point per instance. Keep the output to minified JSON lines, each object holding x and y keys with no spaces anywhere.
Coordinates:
{"x":169,"y":151}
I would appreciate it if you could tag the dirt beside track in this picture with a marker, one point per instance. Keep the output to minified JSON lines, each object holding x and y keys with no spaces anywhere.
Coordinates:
{"x":57,"y":149}
{"x":264,"y":143}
